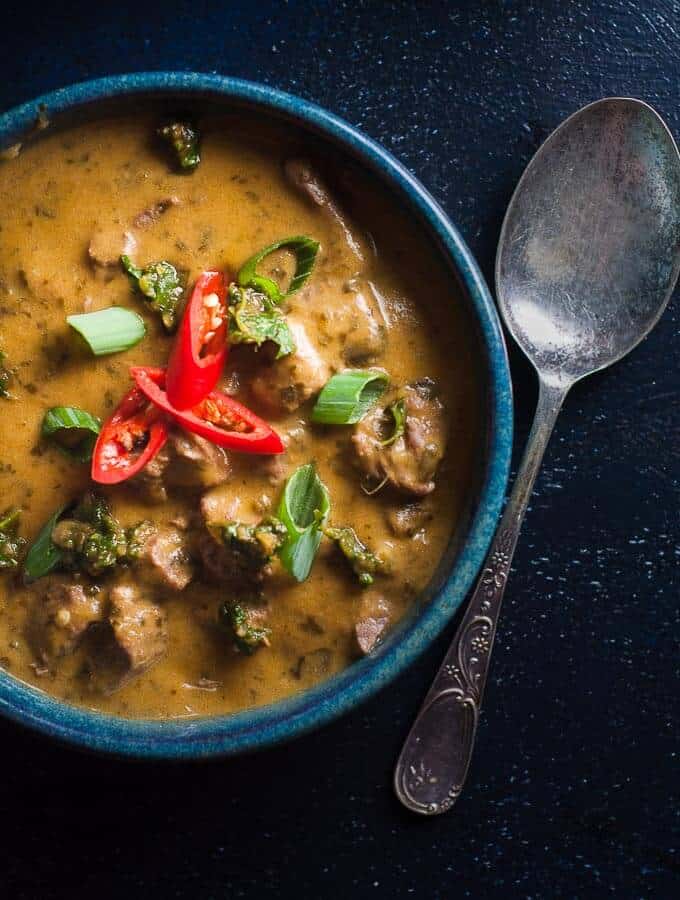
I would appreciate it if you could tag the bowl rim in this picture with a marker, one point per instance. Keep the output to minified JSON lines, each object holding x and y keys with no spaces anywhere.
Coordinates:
{"x":282,"y":720}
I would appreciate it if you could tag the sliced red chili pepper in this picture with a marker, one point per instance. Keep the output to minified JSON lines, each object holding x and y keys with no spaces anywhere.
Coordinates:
{"x":218,"y":417}
{"x":200,"y":350}
{"x":129,"y":440}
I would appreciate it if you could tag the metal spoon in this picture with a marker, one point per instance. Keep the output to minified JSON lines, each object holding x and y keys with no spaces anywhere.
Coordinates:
{"x":588,"y":258}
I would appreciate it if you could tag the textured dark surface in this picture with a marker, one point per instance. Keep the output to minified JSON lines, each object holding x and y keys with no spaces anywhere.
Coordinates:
{"x":574,"y":788}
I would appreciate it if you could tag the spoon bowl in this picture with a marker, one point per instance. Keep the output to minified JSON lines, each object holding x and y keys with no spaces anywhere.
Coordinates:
{"x":588,"y":254}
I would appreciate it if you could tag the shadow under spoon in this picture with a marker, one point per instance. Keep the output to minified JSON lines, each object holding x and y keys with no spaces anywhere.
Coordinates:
{"x":588,"y":258}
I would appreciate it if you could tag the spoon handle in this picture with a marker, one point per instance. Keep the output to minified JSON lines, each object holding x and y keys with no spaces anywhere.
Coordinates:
{"x":434,"y":760}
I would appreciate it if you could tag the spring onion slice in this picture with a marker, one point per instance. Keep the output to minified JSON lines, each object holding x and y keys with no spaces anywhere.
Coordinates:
{"x":398,"y":411}
{"x":305,"y":250}
{"x":348,"y":396}
{"x":304,"y":510}
{"x":73,"y":430}
{"x":109,"y":330}
{"x":44,"y":555}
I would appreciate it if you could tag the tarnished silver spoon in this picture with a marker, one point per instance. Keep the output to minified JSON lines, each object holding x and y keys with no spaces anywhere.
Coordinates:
{"x":588,"y":258}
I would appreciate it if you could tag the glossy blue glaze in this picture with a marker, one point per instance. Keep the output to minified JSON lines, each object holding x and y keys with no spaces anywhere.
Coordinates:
{"x":200,"y":738}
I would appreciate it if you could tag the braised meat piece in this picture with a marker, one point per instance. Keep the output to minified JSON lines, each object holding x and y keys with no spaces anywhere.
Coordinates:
{"x":139,"y":628}
{"x":374,"y":617}
{"x":405,"y":521}
{"x":149,"y":216}
{"x":64,"y":611}
{"x":353,"y":319}
{"x":302,"y":175}
{"x":287,"y":383}
{"x":408,"y":462}
{"x":186,"y":461}
{"x":132,"y":638}
{"x":108,"y":244}
{"x":163,"y":559}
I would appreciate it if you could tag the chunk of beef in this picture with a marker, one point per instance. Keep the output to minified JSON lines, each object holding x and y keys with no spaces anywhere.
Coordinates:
{"x":219,"y":505}
{"x":405,"y":521}
{"x":287,"y":383}
{"x":163,"y":559}
{"x":187,"y":461}
{"x":149,"y":216}
{"x":196,"y":462}
{"x":410,"y":462}
{"x":135,"y":638}
{"x":355,"y":321}
{"x":302,"y":175}
{"x":374,"y":617}
{"x":64,"y":612}
{"x":139,"y":627}
{"x":108,"y":243}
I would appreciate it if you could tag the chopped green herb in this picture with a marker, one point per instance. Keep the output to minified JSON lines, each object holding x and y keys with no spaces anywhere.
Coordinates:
{"x":244,"y":624}
{"x":73,"y":430}
{"x":11,"y":544}
{"x":161,"y":285}
{"x":91,"y":539}
{"x":136,"y":537}
{"x":253,"y":546}
{"x":254,"y":319}
{"x":184,"y":139}
{"x":5,"y":378}
{"x":398,"y":412}
{"x":364,"y":563}
{"x":305,"y":250}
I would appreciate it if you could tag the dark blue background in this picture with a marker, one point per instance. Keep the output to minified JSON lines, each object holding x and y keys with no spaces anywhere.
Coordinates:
{"x":574,"y":787}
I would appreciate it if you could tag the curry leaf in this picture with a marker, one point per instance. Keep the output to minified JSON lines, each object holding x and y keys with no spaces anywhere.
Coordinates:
{"x":254,"y":319}
{"x":44,"y":555}
{"x":11,"y":544}
{"x":304,"y":510}
{"x":398,"y":412}
{"x":160,"y":283}
{"x":183,"y":139}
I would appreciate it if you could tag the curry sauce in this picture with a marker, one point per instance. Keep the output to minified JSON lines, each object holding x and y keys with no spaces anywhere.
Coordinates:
{"x":378,"y":296}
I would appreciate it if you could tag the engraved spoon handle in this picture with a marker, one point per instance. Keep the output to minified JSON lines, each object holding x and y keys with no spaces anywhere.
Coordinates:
{"x":434,"y":760}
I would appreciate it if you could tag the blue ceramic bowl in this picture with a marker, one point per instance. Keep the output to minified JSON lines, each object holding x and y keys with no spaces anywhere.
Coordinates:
{"x":263,"y":726}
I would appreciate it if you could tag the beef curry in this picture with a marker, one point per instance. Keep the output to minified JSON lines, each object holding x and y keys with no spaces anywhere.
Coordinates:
{"x":240,"y":413}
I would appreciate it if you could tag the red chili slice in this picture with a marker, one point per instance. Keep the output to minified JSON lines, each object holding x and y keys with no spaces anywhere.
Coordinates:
{"x":218,"y":417}
{"x":129,"y":440}
{"x":200,"y":351}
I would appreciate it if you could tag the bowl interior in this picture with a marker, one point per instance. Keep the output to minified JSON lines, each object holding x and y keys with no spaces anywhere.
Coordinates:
{"x":320,"y":134}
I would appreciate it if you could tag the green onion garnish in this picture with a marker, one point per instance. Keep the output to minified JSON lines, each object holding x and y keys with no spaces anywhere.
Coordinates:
{"x":348,"y":396}
{"x":398,"y":411}
{"x":305,"y":250}
{"x":109,"y":330}
{"x":44,"y":555}
{"x":304,"y":510}
{"x":73,"y":430}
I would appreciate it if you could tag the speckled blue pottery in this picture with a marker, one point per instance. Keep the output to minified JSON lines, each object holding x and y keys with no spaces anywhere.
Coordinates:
{"x":260,"y":727}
